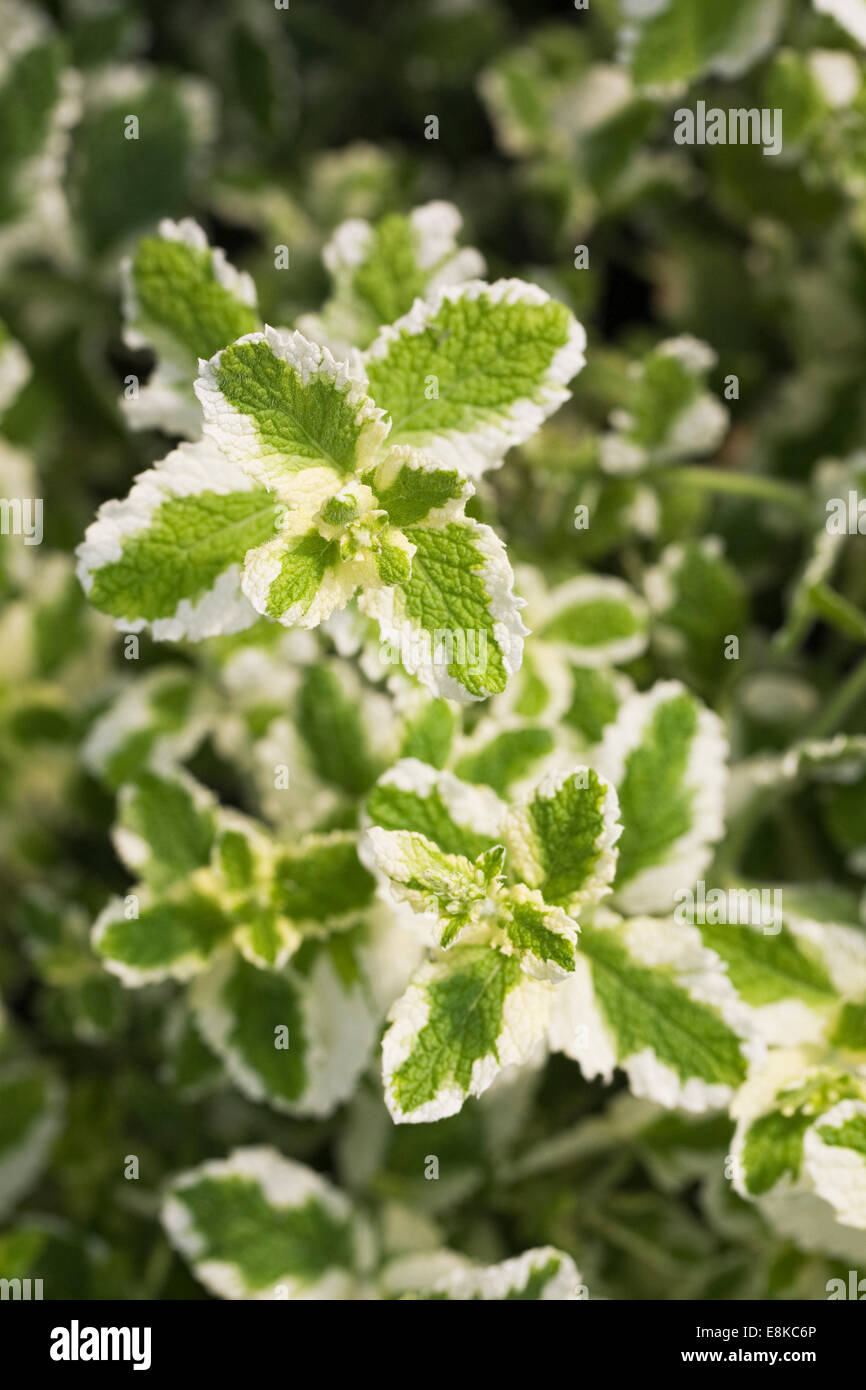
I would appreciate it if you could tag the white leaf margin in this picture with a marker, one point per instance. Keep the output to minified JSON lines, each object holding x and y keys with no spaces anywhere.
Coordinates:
{"x":521,"y":837}
{"x":285,"y":1184}
{"x":236,"y":435}
{"x":579,"y":1028}
{"x":653,"y":889}
{"x":525,"y":1016}
{"x":400,"y":632}
{"x":188,"y":471}
{"x":484,"y":446}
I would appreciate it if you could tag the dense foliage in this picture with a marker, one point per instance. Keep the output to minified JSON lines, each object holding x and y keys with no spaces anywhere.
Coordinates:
{"x":432,"y":606}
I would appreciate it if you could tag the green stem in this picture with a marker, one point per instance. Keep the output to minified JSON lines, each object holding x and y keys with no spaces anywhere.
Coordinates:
{"x":851,"y":691}
{"x":835,"y":712}
{"x":583,"y":1140}
{"x":157,"y":1267}
{"x":838,"y":611}
{"x":739,"y":484}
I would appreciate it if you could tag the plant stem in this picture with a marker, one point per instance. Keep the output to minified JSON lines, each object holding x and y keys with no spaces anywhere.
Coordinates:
{"x":838,"y":611}
{"x":157,"y":1267}
{"x":739,"y":484}
{"x":849,"y":693}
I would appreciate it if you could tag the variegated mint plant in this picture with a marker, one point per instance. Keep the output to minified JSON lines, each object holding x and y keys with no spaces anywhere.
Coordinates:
{"x":320,"y":479}
{"x":537,"y":913}
{"x":432,"y":764}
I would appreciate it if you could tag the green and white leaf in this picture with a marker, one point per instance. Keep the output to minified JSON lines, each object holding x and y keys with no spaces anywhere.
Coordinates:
{"x":780,"y":973}
{"x":460,"y":1022}
{"x":668,"y":44}
{"x":835,"y":1160}
{"x":597,"y":620}
{"x":697,"y":600}
{"x":259,"y":1226}
{"x":312,"y":568}
{"x":544,"y":1273}
{"x":143,"y":938}
{"x":378,"y":271}
{"x":534,"y":93}
{"x":555,"y":689}
{"x":291,"y":416}
{"x":242,"y":874}
{"x":804,"y":983}
{"x":595,"y":698}
{"x":562,"y":839}
{"x":544,"y":938}
{"x":31,"y":1102}
{"x":264,"y":937}
{"x":508,"y":754}
{"x":455,"y":622}
{"x":300,"y":423}
{"x":300,"y":1037}
{"x":322,"y":880}
{"x":668,"y":415}
{"x":459,"y":818}
{"x":40,"y":100}
{"x":346,"y":725}
{"x":158,"y":720}
{"x":182,"y":300}
{"x":775,"y":1112}
{"x":458,"y":891}
{"x":841,"y":758}
{"x":165,"y":827}
{"x":512,"y":754}
{"x":475,"y":370}
{"x":665,"y":754}
{"x":648,"y":997}
{"x":169,"y":556}
{"x":332,"y":735}
{"x":413,"y":487}
{"x":295,"y":1042}
{"x":242,"y":853}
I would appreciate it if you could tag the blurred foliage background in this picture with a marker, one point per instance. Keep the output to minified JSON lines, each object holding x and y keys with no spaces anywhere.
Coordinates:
{"x":271,"y":127}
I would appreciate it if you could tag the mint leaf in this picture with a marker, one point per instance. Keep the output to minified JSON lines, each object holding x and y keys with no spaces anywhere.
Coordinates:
{"x":562,"y":839}
{"x":30,"y":1110}
{"x":475,"y":371}
{"x":378,"y":271}
{"x":183,"y":301}
{"x":280,"y":406}
{"x":454,"y":622}
{"x":665,"y":754}
{"x":259,"y":1226}
{"x":457,"y":817}
{"x":460,"y":1021}
{"x":169,"y":556}
{"x":648,"y":998}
